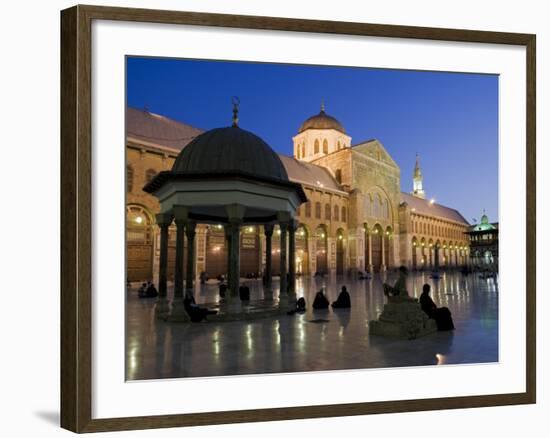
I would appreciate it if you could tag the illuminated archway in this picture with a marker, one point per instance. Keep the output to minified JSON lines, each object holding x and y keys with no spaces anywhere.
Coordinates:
{"x":321,"y":236}
{"x":302,"y":254}
{"x":340,"y":242}
{"x":388,"y":247}
{"x":414,"y":249}
{"x":376,"y":240}
{"x":139,"y":243}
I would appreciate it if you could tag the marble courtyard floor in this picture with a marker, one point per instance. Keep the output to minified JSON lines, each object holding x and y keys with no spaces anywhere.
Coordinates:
{"x":340,"y":340}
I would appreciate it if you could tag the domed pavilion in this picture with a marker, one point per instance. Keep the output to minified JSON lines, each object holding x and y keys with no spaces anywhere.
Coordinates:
{"x":231,"y":177}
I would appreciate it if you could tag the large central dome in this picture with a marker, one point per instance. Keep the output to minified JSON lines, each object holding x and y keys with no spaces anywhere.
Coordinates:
{"x":230,"y":150}
{"x":322,"y":121}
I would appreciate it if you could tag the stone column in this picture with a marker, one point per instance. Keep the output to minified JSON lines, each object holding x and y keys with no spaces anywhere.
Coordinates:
{"x":178,"y":312}
{"x":268,"y":276}
{"x":312,"y":255}
{"x":234,"y":258}
{"x":189,"y":274}
{"x":369,"y":254}
{"x":383,"y":265}
{"x":331,"y":255}
{"x":163,"y":221}
{"x":235,"y":214}
{"x":283,"y":291}
{"x":178,"y":272}
{"x":292,"y":259}
{"x":227,"y":233}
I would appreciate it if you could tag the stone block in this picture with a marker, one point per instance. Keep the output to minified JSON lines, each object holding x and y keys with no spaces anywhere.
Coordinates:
{"x":402,"y":319}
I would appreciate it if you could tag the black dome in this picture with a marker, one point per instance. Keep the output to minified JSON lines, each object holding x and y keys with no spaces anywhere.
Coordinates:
{"x":322,"y":121}
{"x":230,"y":150}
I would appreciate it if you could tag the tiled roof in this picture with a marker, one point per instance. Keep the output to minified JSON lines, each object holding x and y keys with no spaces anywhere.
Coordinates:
{"x":159,"y":130}
{"x":424,"y":206}
{"x":307,"y":173}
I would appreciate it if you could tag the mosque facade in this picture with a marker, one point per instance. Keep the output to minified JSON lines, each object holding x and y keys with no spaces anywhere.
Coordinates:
{"x":356,"y":217}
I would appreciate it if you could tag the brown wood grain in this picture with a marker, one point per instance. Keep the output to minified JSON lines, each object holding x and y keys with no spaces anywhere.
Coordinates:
{"x":76,"y":225}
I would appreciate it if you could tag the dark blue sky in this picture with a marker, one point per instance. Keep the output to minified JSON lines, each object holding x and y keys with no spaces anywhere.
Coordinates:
{"x":450,"y":119}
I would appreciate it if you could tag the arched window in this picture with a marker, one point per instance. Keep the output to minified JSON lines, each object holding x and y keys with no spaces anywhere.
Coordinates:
{"x":138,"y":225}
{"x":336,"y":213}
{"x":344,"y":214}
{"x":298,"y":152}
{"x":317,"y":210}
{"x":308,"y":209}
{"x":129,"y":178}
{"x":338,"y":175}
{"x":386,"y":209}
{"x":316,"y":147}
{"x":149,"y":175}
{"x":303,"y":154}
{"x":338,"y":145}
{"x":325,"y":146}
{"x":327,"y":212}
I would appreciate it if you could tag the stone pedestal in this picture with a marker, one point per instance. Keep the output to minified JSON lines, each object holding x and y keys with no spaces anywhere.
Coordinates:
{"x":402,"y":318}
{"x":162,"y":307}
{"x":178,"y":313}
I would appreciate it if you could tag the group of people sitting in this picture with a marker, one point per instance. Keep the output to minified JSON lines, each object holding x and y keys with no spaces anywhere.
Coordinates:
{"x":321,"y":302}
{"x":147,"y":290}
{"x":342,"y":302}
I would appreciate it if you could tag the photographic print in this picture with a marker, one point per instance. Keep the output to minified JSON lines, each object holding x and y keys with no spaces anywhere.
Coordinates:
{"x":287,"y":218}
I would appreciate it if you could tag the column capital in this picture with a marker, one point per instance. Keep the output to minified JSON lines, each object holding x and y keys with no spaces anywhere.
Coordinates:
{"x":293,"y":225}
{"x":283,"y":216}
{"x":181,"y":214}
{"x":190,"y":227}
{"x":164,"y":219}
{"x":268,"y":229}
{"x":235,"y":212}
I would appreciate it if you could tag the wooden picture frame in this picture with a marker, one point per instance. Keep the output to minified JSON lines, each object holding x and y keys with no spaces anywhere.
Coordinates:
{"x":76,"y":222}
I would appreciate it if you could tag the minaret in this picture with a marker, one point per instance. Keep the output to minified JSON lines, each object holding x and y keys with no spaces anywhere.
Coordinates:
{"x":417,"y":181}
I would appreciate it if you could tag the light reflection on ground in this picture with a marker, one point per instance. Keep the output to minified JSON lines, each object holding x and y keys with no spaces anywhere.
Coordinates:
{"x":156,"y":349}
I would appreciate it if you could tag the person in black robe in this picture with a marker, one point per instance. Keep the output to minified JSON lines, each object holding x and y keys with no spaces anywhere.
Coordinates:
{"x":343,"y":301}
{"x":300,"y":307}
{"x":320,"y":301}
{"x":142,"y":290}
{"x":151,"y":291}
{"x":195,"y":312}
{"x":441,"y":315}
{"x":244,"y":293}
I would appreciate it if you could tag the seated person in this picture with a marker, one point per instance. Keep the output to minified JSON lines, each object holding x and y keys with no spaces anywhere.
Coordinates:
{"x":400,"y":287}
{"x":244,"y":293}
{"x":151,"y":291}
{"x":142,"y":290}
{"x":343,"y":301}
{"x":442,"y":315}
{"x":320,"y":301}
{"x":196,"y":313}
{"x":222,"y":289}
{"x":300,"y":306}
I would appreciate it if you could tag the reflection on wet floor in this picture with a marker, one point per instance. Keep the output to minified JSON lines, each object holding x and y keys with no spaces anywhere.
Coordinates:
{"x":157,"y":349}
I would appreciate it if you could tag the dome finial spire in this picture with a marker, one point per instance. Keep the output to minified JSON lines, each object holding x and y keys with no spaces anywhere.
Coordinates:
{"x":236,"y":101}
{"x":323,"y":105}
